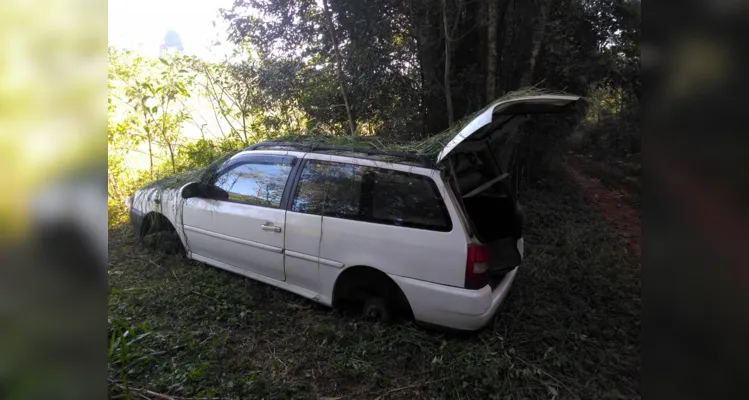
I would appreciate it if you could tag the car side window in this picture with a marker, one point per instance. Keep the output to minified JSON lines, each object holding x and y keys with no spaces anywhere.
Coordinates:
{"x":329,"y":188}
{"x":410,"y":200}
{"x":343,"y":191}
{"x":370,"y":194}
{"x":257,"y":182}
{"x":310,"y":189}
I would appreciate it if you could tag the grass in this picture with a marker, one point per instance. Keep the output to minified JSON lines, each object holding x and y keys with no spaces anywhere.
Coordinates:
{"x":570,"y":327}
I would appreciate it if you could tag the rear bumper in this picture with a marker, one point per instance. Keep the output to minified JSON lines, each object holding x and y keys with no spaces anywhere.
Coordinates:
{"x":454,"y":307}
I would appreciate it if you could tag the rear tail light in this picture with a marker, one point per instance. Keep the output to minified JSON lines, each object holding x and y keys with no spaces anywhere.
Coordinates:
{"x":477,"y":267}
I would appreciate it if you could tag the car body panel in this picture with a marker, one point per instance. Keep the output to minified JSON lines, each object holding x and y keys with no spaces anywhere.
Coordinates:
{"x":261,"y":278}
{"x":419,"y":253}
{"x":246,"y":236}
{"x":233,"y":234}
{"x":154,"y":200}
{"x":453,"y":307}
{"x":302,"y":249}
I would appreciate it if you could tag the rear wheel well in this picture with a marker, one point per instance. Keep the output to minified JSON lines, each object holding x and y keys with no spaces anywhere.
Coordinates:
{"x":357,"y":283}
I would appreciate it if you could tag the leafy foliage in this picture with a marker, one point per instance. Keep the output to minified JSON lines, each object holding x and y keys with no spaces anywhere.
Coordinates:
{"x":394,"y":51}
{"x":182,"y":112}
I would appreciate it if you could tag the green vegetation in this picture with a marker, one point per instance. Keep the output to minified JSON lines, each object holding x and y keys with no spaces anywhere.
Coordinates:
{"x":379,"y":74}
{"x":428,"y":147}
{"x":569,"y":328}
{"x":202,"y":174}
{"x":394,"y":81}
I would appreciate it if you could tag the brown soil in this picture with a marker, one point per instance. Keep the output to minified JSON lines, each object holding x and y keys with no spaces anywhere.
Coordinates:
{"x":620,"y":213}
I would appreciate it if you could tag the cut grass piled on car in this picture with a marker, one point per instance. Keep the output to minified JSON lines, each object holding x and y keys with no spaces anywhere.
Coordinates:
{"x":569,"y":330}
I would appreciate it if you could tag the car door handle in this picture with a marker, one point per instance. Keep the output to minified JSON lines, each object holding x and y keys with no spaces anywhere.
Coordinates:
{"x":269,"y":227}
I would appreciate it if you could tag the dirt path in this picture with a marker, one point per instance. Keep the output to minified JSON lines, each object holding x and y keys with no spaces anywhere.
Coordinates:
{"x":622,"y":216}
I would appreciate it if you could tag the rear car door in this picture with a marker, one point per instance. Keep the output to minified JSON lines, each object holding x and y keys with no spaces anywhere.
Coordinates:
{"x":247,"y":230}
{"x":304,"y":225}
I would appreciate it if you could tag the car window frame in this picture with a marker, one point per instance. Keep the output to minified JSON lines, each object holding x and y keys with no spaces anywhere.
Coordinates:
{"x":435,"y":190}
{"x":297,"y":178}
{"x":254,"y":158}
{"x":429,"y":180}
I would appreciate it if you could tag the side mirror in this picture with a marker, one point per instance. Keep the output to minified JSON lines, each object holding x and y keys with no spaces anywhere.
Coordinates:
{"x":204,"y":191}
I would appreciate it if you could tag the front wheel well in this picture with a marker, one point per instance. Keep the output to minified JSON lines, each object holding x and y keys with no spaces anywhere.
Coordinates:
{"x":359,"y":282}
{"x":159,"y":233}
{"x":156,"y":222}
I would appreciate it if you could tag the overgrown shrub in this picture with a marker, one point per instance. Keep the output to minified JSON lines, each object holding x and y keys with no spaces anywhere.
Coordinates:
{"x":611,"y":127}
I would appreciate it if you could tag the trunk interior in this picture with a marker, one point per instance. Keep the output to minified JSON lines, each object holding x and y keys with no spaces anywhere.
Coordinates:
{"x":490,"y":206}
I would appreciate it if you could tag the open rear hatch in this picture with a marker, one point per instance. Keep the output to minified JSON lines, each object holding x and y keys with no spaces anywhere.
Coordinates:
{"x":478,"y":162}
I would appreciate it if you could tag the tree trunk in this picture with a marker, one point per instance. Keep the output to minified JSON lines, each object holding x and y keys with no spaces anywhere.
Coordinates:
{"x":448,"y":95}
{"x":115,"y":187}
{"x":468,"y":57}
{"x":422,"y":103}
{"x":164,"y":135}
{"x":536,"y":39}
{"x":339,"y":69}
{"x":148,"y":136}
{"x":171,"y":154}
{"x":491,"y":50}
{"x":150,"y":157}
{"x":244,"y":128}
{"x":214,"y":95}
{"x":426,"y":23}
{"x":425,"y":27}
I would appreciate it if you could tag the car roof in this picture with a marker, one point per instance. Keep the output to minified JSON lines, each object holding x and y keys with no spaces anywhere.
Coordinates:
{"x":348,"y":151}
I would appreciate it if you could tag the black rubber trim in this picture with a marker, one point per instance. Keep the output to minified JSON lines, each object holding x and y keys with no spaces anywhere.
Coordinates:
{"x":290,"y":189}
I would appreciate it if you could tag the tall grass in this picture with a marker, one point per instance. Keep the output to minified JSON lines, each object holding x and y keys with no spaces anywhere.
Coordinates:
{"x":124,"y":354}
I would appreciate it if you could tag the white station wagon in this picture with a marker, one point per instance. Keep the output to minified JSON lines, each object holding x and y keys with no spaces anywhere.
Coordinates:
{"x":440,"y":238}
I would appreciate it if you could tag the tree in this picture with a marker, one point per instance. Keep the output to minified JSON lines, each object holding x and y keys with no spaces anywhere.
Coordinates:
{"x":536,"y":37}
{"x":152,"y":90}
{"x":448,"y":95}
{"x":491,"y":49}
{"x":414,"y":67}
{"x":339,"y":61}
{"x":231,"y":88}
{"x":391,"y":68}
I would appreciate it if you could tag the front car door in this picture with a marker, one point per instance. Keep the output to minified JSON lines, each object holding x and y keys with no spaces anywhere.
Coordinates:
{"x":245,"y":232}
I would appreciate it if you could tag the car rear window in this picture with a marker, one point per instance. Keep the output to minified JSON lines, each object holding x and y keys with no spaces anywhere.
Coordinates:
{"x":403,"y":199}
{"x":370,"y":194}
